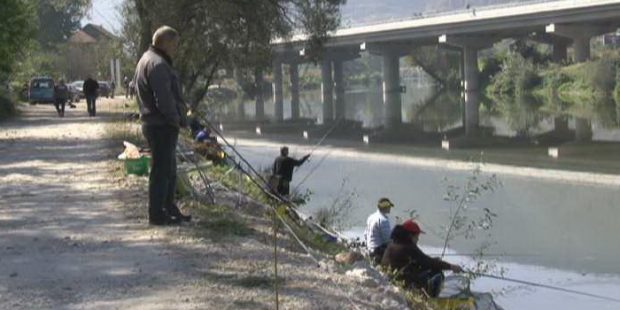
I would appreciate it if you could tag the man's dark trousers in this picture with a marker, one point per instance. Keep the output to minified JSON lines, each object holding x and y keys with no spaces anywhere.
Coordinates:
{"x":90,"y":105}
{"x":60,"y":106}
{"x":163,"y":179}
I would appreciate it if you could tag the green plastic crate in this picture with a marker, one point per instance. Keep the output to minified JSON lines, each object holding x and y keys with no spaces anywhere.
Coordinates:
{"x":138,"y":166}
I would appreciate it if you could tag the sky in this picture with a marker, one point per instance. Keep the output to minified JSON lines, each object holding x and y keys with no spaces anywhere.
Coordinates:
{"x":105,"y":13}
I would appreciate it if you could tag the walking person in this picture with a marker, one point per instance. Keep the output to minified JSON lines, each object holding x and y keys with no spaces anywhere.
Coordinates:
{"x":283,"y":171}
{"x":163,"y":113}
{"x":61,"y":95}
{"x":378,"y":230}
{"x":126,"y":86}
{"x":91,"y":88}
{"x":112,"y":89}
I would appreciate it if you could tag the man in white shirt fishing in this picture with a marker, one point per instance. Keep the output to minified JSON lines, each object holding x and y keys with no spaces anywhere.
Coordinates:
{"x":378,"y":230}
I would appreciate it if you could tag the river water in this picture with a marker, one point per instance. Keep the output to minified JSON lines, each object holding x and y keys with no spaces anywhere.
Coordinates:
{"x":554,"y":231}
{"x":547,"y":231}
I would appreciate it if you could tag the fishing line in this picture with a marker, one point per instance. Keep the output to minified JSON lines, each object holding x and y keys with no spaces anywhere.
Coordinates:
{"x":550,"y":287}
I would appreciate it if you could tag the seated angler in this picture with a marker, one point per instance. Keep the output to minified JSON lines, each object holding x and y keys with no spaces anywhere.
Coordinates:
{"x":378,"y":229}
{"x":409,"y":264}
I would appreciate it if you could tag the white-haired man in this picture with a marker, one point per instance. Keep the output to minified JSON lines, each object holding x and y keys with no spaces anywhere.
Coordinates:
{"x":163,"y":113}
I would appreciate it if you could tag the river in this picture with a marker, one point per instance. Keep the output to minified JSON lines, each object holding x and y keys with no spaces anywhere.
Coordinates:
{"x":557,"y":232}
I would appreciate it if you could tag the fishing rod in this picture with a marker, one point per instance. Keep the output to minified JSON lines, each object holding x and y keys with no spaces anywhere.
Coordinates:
{"x":334,"y":126}
{"x":550,"y":287}
{"x":329,"y":132}
{"x":262,"y":186}
{"x":204,"y":178}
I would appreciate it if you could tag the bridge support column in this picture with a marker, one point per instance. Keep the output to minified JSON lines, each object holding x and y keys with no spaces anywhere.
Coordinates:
{"x":560,"y":51}
{"x":260,"y":102}
{"x":327,"y":86}
{"x":560,"y":56}
{"x":277,"y":91}
{"x":339,"y":89}
{"x":392,"y":105}
{"x":470,"y":46}
{"x":472,"y":90}
{"x":294,"y":74}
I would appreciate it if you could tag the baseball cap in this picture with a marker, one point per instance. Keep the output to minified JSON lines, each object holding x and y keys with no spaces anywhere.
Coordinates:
{"x":384,"y":203}
{"x":412,"y":227}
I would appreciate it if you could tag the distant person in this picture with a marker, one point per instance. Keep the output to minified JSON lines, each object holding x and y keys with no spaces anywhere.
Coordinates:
{"x":132,"y":89}
{"x":195,"y":126}
{"x":91,"y":88}
{"x":163,"y":113}
{"x":126,"y":86}
{"x":204,"y":135}
{"x":112,"y":88}
{"x":378,"y":230}
{"x":411,"y":265}
{"x":61,"y":95}
{"x":283,"y":171}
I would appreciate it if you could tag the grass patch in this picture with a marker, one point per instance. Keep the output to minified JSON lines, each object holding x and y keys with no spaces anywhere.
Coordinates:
{"x":218,"y":221}
{"x":124,"y":130}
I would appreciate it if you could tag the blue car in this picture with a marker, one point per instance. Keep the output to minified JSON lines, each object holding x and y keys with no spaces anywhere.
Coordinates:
{"x":41,"y":90}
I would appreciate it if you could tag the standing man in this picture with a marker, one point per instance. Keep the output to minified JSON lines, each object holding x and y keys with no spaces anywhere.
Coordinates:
{"x":163,"y":113}
{"x":61,"y":95}
{"x":283,"y":171}
{"x":112,"y":88}
{"x":91,"y":87}
{"x":126,"y":85}
{"x":378,"y":230}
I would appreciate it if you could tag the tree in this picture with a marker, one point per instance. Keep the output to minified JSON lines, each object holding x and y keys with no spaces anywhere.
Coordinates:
{"x":227,"y":33}
{"x":16,"y":30}
{"x":58,"y":19}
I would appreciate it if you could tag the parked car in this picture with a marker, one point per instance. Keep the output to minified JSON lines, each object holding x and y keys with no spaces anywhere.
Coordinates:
{"x":41,"y":90}
{"x":78,"y":88}
{"x":105,"y":89}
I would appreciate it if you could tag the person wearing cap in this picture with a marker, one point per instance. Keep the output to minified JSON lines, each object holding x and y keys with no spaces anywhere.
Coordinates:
{"x":283,"y":171}
{"x":378,"y":229}
{"x":410,"y":264}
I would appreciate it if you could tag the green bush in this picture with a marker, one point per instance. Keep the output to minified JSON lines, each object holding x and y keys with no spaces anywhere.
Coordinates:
{"x":7,"y":105}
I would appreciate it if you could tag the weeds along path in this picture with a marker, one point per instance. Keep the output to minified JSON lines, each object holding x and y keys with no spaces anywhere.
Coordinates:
{"x":73,"y":234}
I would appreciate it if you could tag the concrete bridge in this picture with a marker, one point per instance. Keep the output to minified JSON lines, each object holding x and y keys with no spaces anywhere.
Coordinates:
{"x":562,"y":24}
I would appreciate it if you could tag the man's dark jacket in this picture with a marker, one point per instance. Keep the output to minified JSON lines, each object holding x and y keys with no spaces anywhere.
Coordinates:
{"x":90,"y":87}
{"x":284,"y":165}
{"x":158,"y":90}
{"x":404,"y":257}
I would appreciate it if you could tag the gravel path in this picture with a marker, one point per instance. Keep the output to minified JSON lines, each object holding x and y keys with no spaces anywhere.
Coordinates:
{"x":67,"y":243}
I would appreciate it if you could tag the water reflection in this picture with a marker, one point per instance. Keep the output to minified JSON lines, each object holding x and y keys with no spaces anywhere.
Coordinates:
{"x":440,"y":110}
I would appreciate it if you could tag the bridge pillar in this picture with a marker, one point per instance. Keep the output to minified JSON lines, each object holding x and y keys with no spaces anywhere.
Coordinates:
{"x":339,"y":89}
{"x":294,"y":74}
{"x":327,"y":86}
{"x":392,"y":105}
{"x":560,"y":51}
{"x":259,"y":99}
{"x":472,"y":90}
{"x":560,"y":55}
{"x":470,"y":46}
{"x":277,"y":90}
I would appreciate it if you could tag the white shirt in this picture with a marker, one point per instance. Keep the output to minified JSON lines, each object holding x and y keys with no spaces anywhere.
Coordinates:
{"x":378,"y":230}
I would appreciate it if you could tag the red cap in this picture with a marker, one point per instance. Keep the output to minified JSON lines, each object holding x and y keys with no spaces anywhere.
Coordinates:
{"x":412,"y":227}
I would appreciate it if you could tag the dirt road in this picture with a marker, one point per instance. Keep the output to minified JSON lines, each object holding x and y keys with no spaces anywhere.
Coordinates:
{"x":65,"y":242}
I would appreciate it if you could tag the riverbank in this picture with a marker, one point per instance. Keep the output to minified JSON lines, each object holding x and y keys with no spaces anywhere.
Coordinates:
{"x":74,"y":234}
{"x":584,"y":164}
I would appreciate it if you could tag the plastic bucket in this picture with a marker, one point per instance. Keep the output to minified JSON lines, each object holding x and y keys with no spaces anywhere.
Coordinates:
{"x":139,"y":166}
